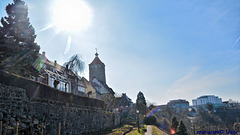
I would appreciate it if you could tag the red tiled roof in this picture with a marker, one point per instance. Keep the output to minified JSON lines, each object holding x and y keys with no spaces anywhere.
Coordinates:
{"x":96,"y":61}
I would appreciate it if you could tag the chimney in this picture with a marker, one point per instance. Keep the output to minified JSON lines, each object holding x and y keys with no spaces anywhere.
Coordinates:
{"x":55,"y":63}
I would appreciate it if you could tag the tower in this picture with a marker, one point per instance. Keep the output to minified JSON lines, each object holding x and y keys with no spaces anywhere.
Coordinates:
{"x":97,"y":69}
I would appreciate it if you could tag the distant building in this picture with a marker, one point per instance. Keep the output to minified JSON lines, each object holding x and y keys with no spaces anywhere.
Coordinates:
{"x":203,"y":100}
{"x":192,"y":111}
{"x":101,"y":87}
{"x":163,"y":107}
{"x":63,"y":79}
{"x":231,"y":104}
{"x":57,"y":76}
{"x":226,"y":104}
{"x":97,"y":69}
{"x":90,"y":90}
{"x":123,"y":101}
{"x":179,"y":105}
{"x":123,"y":105}
{"x":97,"y":79}
{"x":97,"y":76}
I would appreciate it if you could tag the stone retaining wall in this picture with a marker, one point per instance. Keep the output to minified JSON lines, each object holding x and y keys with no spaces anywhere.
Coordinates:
{"x":34,"y":104}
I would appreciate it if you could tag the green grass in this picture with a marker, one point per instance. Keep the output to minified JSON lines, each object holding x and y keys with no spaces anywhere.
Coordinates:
{"x":121,"y":130}
{"x":135,"y":130}
{"x":125,"y":128}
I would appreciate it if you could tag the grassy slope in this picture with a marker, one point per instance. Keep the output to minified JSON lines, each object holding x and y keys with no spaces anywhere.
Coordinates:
{"x":156,"y":131}
{"x":135,"y":131}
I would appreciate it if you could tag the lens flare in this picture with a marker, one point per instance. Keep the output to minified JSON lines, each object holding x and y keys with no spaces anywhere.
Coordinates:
{"x":172,"y":131}
{"x":71,"y":15}
{"x":68,"y":45}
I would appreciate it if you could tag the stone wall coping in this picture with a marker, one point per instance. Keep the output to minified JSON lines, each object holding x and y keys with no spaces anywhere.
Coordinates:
{"x":37,"y":90}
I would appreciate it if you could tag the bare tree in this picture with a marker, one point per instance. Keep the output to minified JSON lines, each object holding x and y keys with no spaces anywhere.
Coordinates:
{"x":75,"y":64}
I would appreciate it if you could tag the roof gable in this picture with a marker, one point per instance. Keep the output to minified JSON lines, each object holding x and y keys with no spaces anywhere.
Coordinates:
{"x":96,"y":61}
{"x":103,"y":84}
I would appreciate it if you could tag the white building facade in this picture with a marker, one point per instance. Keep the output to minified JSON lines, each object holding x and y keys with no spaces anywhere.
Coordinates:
{"x":207,"y":99}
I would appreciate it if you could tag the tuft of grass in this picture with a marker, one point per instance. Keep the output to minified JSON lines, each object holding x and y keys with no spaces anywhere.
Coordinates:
{"x":135,"y":130}
{"x":122,"y":129}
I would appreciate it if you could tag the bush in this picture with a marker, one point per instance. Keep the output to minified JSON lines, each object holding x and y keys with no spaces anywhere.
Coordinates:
{"x":150,"y":120}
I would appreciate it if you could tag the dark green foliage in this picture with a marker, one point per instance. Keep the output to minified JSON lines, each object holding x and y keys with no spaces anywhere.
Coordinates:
{"x":17,"y":26}
{"x":17,"y":47}
{"x":151,"y":106}
{"x":174,"y":124}
{"x":150,"y":120}
{"x":141,"y":99}
{"x":210,"y":107}
{"x":181,"y":129}
{"x":141,"y":103}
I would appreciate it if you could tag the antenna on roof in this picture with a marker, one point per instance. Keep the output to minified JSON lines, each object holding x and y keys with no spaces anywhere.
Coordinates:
{"x":96,"y":54}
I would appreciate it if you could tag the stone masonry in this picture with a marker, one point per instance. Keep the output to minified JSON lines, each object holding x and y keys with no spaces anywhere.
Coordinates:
{"x":74,"y":115}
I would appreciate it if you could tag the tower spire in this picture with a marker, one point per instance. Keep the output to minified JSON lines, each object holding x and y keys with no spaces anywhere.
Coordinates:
{"x":97,"y":69}
{"x":96,"y":54}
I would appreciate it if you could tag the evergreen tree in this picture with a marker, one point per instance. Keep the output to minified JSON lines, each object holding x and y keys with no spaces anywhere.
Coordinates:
{"x":210,"y":107}
{"x":17,"y":25}
{"x":151,"y":106}
{"x":17,"y":40}
{"x":181,"y":129}
{"x":150,"y":120}
{"x":141,"y":103}
{"x":174,"y":124}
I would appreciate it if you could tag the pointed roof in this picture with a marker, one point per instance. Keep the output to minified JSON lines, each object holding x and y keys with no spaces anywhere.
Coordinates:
{"x":124,"y":95}
{"x":96,"y":60}
{"x":104,"y":85}
{"x":89,"y":84}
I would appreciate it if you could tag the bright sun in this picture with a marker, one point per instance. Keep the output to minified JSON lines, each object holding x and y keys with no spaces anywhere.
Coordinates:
{"x":71,"y":15}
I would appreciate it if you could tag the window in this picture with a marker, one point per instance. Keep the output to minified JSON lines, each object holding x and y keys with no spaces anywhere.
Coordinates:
{"x":82,"y":89}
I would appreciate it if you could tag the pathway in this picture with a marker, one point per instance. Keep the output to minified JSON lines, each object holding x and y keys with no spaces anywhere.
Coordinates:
{"x":149,"y":130}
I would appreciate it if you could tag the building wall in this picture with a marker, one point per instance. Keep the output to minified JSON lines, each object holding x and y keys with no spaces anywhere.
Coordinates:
{"x":101,"y":89}
{"x":206,"y":99}
{"x":98,"y":71}
{"x":123,"y":101}
{"x":89,"y":88}
{"x":179,"y":105}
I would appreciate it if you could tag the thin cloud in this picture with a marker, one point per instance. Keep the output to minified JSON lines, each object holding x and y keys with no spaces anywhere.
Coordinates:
{"x":235,"y":43}
{"x":192,"y":82}
{"x":187,"y":76}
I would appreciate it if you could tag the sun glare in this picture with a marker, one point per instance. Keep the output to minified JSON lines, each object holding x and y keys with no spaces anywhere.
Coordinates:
{"x":71,"y":15}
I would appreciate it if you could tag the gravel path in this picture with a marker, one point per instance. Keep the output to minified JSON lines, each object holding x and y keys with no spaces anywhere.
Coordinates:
{"x":149,"y":130}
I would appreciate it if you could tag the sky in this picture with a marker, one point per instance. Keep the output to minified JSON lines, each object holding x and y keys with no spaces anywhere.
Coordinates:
{"x":168,"y":49}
